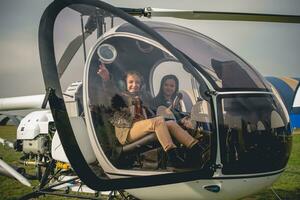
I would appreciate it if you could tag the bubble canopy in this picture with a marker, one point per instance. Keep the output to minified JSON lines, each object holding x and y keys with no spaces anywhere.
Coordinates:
{"x":69,"y":122}
{"x":150,"y":61}
{"x":223,"y":68}
{"x":202,"y":66}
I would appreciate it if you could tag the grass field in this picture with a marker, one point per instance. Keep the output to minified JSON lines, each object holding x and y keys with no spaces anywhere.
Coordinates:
{"x":287,"y":186}
{"x":11,"y":189}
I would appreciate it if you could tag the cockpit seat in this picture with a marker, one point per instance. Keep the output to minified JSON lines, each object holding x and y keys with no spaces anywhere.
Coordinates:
{"x":277,"y":124}
{"x":200,"y":112}
{"x":260,"y":126}
{"x":138,"y":153}
{"x":121,"y":155}
{"x":144,"y":144}
{"x":186,"y":102}
{"x":276,"y":120}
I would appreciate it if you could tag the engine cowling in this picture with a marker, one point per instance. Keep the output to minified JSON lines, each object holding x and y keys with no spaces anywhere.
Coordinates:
{"x":33,"y":132}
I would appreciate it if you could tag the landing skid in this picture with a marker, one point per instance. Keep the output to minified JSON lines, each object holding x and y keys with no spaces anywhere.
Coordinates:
{"x":66,"y":188}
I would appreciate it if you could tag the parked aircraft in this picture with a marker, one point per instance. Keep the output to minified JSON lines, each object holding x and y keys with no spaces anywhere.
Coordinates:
{"x":235,"y":111}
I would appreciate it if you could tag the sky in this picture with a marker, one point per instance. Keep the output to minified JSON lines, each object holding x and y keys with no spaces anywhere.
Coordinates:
{"x":272,"y":48}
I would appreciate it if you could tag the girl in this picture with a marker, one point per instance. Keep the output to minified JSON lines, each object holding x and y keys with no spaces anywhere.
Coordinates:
{"x":168,"y":90}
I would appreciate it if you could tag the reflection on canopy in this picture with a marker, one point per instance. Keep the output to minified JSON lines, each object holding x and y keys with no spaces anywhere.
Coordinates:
{"x":217,"y":61}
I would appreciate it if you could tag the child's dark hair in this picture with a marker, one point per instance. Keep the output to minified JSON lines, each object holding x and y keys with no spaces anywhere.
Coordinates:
{"x":162,"y":82}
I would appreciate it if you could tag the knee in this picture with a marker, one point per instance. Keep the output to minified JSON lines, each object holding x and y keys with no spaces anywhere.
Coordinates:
{"x":171,"y":124}
{"x":158,"y":121}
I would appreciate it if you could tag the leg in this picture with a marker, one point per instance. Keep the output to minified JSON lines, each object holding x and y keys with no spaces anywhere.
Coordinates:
{"x":181,"y":135}
{"x":195,"y":149}
{"x":157,"y":125}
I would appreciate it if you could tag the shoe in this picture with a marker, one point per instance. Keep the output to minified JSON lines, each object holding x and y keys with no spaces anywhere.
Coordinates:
{"x":194,"y":155}
{"x":174,"y":159}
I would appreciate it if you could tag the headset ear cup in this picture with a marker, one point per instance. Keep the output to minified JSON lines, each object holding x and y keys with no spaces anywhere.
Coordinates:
{"x":143,"y":87}
{"x":122,"y":85}
{"x":142,"y":82}
{"x":125,"y":81}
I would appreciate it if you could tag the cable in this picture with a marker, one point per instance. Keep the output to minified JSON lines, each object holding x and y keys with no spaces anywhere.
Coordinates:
{"x":278,"y":197}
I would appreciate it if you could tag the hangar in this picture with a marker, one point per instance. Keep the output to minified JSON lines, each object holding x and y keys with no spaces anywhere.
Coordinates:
{"x":288,"y":88}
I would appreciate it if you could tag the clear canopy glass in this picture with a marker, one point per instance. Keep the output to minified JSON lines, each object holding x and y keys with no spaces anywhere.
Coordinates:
{"x":224,"y":69}
{"x":255,"y":135}
{"x":148,"y":62}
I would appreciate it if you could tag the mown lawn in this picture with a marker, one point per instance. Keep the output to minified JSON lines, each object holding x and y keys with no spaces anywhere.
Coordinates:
{"x":287,"y":187}
{"x":11,"y":189}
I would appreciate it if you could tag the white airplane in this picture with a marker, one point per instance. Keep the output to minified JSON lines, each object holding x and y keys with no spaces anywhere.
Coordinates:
{"x":235,"y":111}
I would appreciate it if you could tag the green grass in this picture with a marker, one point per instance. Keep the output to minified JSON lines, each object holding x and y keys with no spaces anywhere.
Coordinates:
{"x":287,"y":186}
{"x":11,"y":189}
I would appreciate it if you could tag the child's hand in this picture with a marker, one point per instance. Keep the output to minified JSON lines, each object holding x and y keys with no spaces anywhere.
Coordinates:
{"x":186,"y":122}
{"x":103,"y":72}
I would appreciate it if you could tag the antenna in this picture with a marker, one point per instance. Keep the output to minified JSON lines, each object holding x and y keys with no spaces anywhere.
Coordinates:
{"x":83,"y":38}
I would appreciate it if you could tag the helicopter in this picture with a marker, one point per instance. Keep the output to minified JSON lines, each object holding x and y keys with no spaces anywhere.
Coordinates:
{"x":238,"y":113}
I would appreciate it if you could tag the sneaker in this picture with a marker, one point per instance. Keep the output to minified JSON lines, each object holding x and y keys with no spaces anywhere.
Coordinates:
{"x":195,"y":155}
{"x":174,"y":159}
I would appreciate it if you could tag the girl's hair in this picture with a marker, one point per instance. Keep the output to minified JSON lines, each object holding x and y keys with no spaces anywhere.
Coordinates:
{"x":132,"y":73}
{"x":163,"y":80}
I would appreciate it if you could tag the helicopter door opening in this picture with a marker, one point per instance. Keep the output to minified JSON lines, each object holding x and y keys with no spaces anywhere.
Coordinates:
{"x":255,"y":135}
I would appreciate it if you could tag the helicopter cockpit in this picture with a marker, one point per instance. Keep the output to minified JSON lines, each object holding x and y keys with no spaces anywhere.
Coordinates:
{"x":121,"y":52}
{"x":234,"y":112}
{"x":125,"y":48}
